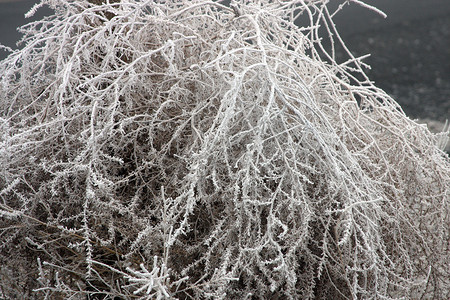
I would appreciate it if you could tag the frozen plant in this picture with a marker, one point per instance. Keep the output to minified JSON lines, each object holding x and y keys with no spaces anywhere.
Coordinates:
{"x":197,"y":150}
{"x":151,"y":283}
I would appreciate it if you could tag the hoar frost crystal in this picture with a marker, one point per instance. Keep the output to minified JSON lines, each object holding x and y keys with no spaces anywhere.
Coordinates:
{"x":199,"y":150}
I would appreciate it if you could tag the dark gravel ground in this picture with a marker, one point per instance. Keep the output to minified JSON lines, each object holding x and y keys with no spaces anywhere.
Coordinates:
{"x":411,"y":61}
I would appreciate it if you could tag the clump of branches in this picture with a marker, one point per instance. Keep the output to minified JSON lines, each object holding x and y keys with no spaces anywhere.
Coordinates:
{"x":195,"y":150}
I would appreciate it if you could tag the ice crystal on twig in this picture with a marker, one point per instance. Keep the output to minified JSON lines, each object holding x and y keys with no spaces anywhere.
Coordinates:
{"x":194,"y":150}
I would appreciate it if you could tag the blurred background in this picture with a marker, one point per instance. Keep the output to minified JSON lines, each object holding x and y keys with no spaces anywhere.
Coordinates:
{"x":410,"y":49}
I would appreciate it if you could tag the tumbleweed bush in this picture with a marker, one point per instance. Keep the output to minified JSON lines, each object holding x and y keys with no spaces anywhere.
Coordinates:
{"x":196,"y":150}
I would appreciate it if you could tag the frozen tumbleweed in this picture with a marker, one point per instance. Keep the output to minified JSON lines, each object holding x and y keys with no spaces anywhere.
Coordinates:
{"x":193,"y":150}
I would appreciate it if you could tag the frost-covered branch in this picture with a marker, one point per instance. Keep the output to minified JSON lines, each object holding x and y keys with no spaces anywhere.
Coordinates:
{"x":193,"y":150}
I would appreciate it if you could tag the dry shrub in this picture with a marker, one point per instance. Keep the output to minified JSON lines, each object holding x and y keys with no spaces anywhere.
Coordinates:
{"x":193,"y":150}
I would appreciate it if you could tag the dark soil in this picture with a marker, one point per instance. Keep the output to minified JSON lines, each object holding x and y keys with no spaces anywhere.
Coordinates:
{"x":411,"y":61}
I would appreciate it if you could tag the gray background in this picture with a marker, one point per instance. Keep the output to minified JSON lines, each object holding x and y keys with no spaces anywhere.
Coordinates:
{"x":410,"y":48}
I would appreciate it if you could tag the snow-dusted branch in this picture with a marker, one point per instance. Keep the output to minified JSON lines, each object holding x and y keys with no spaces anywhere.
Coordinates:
{"x":193,"y":150}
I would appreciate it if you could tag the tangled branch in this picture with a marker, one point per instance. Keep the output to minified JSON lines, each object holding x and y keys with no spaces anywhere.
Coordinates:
{"x":220,"y":150}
